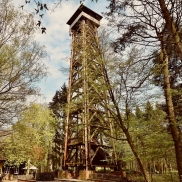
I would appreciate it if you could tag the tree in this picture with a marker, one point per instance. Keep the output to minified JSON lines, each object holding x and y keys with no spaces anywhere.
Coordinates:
{"x":172,"y":16}
{"x":21,"y":62}
{"x":59,"y":101}
{"x":125,"y":89}
{"x":32,"y":135}
{"x":151,"y":23}
{"x":58,"y":106}
{"x":143,"y":22}
{"x":168,"y":73}
{"x":123,"y":99}
{"x":175,"y":130}
{"x":153,"y":140}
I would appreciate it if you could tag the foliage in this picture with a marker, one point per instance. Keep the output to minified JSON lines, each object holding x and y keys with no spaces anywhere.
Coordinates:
{"x":59,"y":101}
{"x":175,"y":77}
{"x":153,"y":141}
{"x":153,"y":24}
{"x":144,"y":22}
{"x":155,"y":178}
{"x":146,"y":131}
{"x":32,"y":136}
{"x":21,"y":62}
{"x":149,"y":131}
{"x":58,"y":106}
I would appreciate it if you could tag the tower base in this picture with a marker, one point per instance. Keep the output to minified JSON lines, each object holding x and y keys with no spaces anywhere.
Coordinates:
{"x":84,"y":175}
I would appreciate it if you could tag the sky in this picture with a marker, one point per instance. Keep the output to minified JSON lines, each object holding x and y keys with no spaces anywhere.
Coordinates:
{"x":57,"y":40}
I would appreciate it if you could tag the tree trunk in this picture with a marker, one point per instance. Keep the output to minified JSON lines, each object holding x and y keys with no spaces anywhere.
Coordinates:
{"x":133,"y":148}
{"x":28,"y":167}
{"x":125,"y":130}
{"x":175,"y":132}
{"x":171,"y":26}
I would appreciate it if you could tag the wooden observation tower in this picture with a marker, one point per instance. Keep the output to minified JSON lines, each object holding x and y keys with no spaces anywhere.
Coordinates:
{"x":85,"y":143}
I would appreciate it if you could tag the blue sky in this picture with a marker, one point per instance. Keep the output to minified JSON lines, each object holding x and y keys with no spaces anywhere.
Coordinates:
{"x":57,"y":40}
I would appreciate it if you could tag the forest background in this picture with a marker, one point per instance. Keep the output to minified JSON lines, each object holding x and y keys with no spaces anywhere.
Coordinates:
{"x":147,"y":52}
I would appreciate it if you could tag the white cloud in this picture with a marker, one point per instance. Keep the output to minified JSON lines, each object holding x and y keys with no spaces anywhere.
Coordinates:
{"x":57,"y":40}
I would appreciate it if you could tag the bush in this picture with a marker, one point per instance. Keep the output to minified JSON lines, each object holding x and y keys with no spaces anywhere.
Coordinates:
{"x":45,"y":176}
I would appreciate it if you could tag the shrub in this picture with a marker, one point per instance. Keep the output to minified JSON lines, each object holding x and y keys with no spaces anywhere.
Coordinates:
{"x":45,"y":176}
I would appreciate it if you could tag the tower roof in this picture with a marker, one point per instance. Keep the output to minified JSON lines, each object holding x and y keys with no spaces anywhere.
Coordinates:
{"x":81,"y":12}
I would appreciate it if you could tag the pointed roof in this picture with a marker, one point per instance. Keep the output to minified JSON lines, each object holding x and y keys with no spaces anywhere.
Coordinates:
{"x":86,"y":10}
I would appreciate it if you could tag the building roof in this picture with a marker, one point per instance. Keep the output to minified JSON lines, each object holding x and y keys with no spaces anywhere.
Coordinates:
{"x":83,"y":8}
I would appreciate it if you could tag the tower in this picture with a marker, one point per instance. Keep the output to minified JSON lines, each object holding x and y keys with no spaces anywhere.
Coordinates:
{"x":84,"y":143}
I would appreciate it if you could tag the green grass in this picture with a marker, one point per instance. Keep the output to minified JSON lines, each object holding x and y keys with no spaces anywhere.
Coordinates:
{"x":156,"y":178}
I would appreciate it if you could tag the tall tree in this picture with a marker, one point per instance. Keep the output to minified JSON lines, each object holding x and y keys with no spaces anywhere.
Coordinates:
{"x":59,"y":101}
{"x":155,"y":143}
{"x":21,"y":61}
{"x":168,"y":64}
{"x":121,"y":89}
{"x":150,"y":23}
{"x":32,"y":135}
{"x":58,"y":107}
